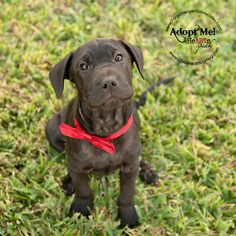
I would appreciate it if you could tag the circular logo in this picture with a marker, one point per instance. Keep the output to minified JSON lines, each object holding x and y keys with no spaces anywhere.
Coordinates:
{"x":193,"y":37}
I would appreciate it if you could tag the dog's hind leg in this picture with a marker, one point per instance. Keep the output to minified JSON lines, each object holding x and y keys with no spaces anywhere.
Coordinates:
{"x":58,"y":141}
{"x":54,"y":135}
{"x":148,"y":173}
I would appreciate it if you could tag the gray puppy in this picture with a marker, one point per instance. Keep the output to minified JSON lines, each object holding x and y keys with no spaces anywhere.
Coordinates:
{"x":102,"y":125}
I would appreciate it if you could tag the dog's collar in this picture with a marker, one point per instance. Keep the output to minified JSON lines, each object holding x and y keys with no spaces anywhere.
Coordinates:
{"x":102,"y":143}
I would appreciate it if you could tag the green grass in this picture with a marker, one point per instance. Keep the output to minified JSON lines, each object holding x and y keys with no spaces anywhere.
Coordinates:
{"x":188,"y":127}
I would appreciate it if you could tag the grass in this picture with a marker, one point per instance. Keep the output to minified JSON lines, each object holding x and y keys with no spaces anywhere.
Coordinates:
{"x":187,"y":127}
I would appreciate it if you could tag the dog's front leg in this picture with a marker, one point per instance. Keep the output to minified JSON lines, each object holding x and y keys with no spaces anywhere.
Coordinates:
{"x":127,"y":212}
{"x":84,"y":196}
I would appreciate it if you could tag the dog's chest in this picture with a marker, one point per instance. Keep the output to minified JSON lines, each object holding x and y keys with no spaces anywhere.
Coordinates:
{"x":106,"y":163}
{"x":84,"y":157}
{"x":87,"y":158}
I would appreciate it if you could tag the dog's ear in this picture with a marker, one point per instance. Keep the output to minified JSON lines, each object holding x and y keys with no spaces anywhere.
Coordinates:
{"x":60,"y":72}
{"x":136,"y":54}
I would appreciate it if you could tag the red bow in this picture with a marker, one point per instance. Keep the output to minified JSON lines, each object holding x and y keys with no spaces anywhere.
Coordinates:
{"x":96,"y":141}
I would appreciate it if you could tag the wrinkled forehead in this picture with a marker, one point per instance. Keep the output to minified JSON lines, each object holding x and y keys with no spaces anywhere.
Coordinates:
{"x":99,"y":49}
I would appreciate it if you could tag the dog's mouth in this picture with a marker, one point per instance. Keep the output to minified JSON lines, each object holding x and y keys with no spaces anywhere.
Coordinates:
{"x":113,"y":103}
{"x":108,"y":100}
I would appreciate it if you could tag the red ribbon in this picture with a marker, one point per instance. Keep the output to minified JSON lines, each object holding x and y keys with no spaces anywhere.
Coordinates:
{"x":102,"y":143}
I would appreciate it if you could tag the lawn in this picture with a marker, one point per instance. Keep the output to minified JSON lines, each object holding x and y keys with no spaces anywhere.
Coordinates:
{"x":188,"y":127}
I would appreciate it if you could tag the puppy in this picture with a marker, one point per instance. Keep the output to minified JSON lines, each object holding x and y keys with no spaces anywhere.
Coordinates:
{"x":99,"y":129}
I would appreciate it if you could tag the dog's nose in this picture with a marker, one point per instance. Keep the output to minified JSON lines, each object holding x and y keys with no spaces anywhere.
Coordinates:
{"x":109,"y":83}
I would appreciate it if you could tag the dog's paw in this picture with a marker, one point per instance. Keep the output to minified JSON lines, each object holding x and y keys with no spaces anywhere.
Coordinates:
{"x":82,"y":206}
{"x":128,"y":217}
{"x":67,"y":186}
{"x":148,"y":173}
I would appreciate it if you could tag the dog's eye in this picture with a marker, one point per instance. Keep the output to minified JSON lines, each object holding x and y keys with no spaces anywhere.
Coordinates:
{"x":119,"y":57}
{"x":84,"y":66}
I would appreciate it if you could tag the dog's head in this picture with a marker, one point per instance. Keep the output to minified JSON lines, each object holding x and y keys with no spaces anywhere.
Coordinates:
{"x":101,"y":70}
